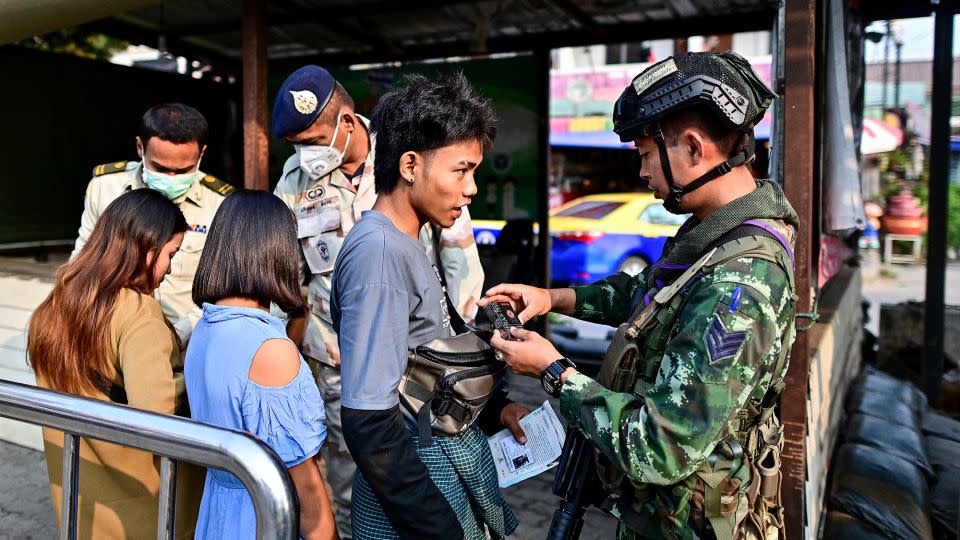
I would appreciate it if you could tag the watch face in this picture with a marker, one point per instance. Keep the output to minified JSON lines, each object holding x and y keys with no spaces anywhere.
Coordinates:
{"x":547,"y":383}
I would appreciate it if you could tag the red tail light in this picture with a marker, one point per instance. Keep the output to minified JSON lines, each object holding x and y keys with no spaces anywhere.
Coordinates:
{"x":583,"y":237}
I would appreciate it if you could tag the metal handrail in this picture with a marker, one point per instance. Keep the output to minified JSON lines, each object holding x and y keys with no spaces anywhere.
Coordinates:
{"x":170,"y":437}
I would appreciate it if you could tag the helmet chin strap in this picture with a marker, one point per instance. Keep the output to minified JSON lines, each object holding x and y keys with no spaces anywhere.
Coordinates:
{"x":672,"y":203}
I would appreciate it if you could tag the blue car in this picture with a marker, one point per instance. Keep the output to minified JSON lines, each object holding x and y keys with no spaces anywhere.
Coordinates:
{"x":598,"y":235}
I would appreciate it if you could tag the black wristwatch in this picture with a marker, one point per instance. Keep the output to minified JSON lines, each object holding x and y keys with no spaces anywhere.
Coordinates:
{"x":550,"y":378}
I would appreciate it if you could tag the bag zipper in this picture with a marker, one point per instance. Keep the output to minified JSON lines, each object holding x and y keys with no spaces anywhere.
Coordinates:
{"x":458,"y":358}
{"x":444,"y":385}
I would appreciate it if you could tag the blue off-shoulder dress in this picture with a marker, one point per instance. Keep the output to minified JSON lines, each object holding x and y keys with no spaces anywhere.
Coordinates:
{"x":288,"y":418}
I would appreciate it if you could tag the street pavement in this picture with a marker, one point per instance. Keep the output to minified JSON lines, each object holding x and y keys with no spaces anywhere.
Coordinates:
{"x":25,"y":508}
{"x":895,"y":283}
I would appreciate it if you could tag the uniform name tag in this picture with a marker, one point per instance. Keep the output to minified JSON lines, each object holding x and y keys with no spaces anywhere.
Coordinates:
{"x":646,"y":80}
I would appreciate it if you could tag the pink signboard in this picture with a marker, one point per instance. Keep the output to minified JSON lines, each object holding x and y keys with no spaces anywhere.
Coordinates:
{"x":581,"y":105}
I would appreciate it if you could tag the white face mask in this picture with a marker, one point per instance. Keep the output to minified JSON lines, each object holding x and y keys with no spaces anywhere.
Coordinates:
{"x":318,"y":161}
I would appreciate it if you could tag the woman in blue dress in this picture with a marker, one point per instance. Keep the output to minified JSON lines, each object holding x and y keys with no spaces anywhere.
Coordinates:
{"x":243,"y":373}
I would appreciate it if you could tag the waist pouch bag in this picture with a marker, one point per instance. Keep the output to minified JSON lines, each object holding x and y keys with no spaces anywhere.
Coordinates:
{"x":449,"y":380}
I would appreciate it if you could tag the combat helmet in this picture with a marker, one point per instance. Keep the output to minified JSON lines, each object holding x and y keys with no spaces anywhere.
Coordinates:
{"x":723,"y":84}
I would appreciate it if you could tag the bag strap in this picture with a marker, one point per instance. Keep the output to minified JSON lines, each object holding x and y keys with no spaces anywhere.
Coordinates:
{"x":456,"y":321}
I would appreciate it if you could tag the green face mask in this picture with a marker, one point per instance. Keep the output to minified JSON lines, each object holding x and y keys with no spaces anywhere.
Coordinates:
{"x":171,"y":185}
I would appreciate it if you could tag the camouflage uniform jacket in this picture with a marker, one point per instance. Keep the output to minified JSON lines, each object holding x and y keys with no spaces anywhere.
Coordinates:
{"x":705,"y":364}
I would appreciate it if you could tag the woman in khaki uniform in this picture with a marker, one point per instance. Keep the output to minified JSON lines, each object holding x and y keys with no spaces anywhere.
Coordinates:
{"x":101,"y":334}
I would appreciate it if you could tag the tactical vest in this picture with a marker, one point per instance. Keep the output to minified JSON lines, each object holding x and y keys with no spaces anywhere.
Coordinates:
{"x":755,"y":437}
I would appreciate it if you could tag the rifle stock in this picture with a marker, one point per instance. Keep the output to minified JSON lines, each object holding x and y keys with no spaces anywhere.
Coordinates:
{"x":576,"y":484}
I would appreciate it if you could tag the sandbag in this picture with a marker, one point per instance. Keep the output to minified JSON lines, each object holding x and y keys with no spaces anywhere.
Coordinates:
{"x":938,"y":425}
{"x":944,"y":455}
{"x":881,"y":406}
{"x":902,"y":441}
{"x":881,"y":489}
{"x":944,"y":502}
{"x":890,"y":388}
{"x":847,"y":527}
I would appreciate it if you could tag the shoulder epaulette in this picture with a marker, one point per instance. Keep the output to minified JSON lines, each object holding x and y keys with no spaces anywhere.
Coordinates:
{"x":218,"y":185}
{"x":110,"y":168}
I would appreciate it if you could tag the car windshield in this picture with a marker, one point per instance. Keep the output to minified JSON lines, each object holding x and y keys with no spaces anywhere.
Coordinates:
{"x":591,"y":209}
{"x":658,"y":215}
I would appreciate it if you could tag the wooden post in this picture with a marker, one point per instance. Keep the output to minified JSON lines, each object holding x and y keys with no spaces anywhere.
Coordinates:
{"x":542,"y":59}
{"x":938,"y":210}
{"x":724,"y":42}
{"x":679,"y":46}
{"x":255,"y":154}
{"x":799,"y":169}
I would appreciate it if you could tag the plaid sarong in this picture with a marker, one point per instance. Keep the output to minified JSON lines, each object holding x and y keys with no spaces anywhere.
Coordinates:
{"x":462,"y":468}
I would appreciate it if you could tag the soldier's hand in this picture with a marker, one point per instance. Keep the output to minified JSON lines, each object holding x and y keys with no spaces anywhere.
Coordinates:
{"x":510,"y":418}
{"x":528,"y":354}
{"x":526,"y":300}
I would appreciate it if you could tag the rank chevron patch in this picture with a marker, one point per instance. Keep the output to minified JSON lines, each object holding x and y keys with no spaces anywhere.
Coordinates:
{"x":721,"y":343}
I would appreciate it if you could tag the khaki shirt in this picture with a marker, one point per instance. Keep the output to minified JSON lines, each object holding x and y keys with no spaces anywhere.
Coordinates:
{"x":326,"y":210}
{"x":119,"y":487}
{"x":198,"y":204}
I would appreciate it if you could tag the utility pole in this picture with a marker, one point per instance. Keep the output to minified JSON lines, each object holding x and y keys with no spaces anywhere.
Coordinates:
{"x":886,"y":64}
{"x":897,"y":32}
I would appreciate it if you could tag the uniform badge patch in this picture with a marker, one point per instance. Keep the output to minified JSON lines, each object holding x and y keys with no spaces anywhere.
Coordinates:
{"x":198,"y":228}
{"x":323,"y":250}
{"x":721,"y":343}
{"x":314,"y":193}
{"x":304,"y":101}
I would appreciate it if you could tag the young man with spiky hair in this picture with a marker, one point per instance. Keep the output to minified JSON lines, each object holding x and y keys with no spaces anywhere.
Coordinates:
{"x":387,"y":298}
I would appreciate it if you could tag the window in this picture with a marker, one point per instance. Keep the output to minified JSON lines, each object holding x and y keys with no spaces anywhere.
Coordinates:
{"x":658,"y":215}
{"x":591,"y":209}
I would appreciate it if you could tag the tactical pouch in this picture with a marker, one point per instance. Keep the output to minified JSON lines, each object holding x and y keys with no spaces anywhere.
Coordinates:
{"x":619,"y":362}
{"x":720,"y":490}
{"x":765,"y":521}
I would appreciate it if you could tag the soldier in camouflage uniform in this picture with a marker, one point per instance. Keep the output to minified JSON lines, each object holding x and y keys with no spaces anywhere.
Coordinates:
{"x":686,"y":440}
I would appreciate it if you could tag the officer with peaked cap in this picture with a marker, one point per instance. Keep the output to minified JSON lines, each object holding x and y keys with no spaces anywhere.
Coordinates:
{"x":171,"y":141}
{"x":328,"y":182}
